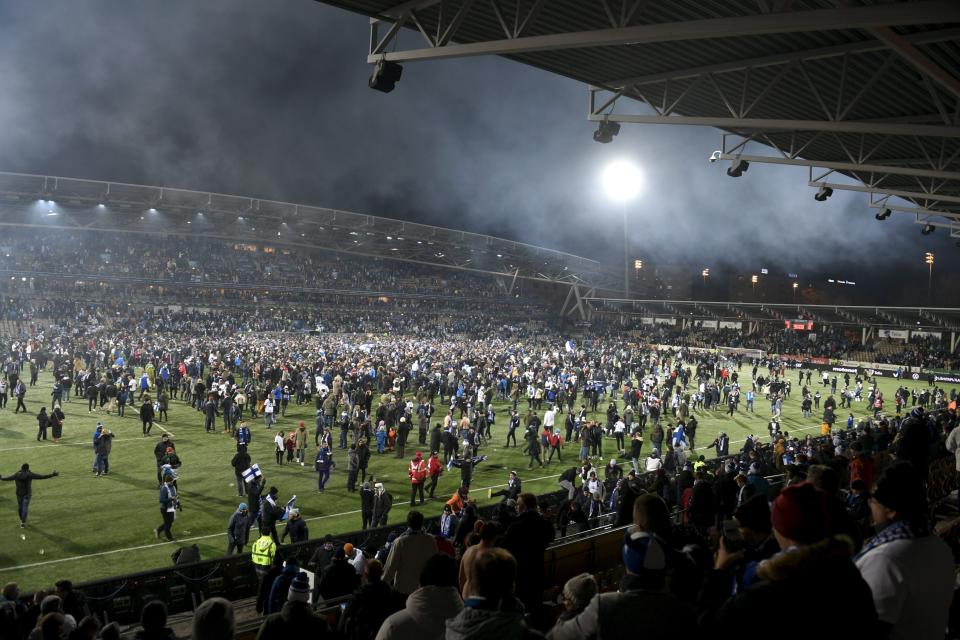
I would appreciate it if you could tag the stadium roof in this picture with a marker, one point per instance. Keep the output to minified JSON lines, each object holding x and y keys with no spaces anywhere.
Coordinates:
{"x":917,"y":318}
{"x":865,"y":93}
{"x":46,"y":202}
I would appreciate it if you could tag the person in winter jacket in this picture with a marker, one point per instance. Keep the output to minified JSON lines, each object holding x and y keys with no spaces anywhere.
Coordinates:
{"x":636,"y":609}
{"x":296,"y":618}
{"x":382,"y":503}
{"x":366,"y":505}
{"x":434,"y":469}
{"x":240,"y":463}
{"x":811,"y":568}
{"x":417,"y":472}
{"x":296,"y":528}
{"x":281,"y":586}
{"x":491,"y":610}
{"x":429,"y":607}
{"x":238,"y":529}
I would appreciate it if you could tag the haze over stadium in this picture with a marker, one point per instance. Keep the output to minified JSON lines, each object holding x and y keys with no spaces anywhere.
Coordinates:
{"x":208,"y":218}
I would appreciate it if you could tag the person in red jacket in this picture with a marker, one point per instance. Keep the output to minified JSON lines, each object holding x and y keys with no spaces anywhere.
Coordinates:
{"x":418,"y":475}
{"x":434,"y":469}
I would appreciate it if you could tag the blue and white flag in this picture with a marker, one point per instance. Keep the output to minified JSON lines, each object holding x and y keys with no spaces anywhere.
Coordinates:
{"x":569,"y":346}
{"x":291,"y":505}
{"x":251,"y":473}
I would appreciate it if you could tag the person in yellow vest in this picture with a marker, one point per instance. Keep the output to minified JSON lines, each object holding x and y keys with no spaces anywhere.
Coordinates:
{"x":263,"y":552}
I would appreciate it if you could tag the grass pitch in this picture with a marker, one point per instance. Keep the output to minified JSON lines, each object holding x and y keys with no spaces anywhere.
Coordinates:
{"x":84,"y":528}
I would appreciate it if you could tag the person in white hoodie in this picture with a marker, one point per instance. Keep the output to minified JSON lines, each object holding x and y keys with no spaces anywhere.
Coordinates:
{"x":428,"y":607}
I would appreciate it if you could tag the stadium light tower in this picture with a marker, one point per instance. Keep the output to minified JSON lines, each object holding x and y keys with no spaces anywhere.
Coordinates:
{"x":753,"y":284}
{"x":706,"y":274}
{"x":623,"y":181}
{"x":795,"y":287}
{"x":929,"y":260}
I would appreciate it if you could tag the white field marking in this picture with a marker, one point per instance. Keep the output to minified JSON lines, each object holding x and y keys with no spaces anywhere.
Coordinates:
{"x":205,"y":537}
{"x":74,"y":444}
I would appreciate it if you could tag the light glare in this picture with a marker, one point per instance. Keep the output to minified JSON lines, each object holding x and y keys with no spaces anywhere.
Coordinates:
{"x":622,"y":180}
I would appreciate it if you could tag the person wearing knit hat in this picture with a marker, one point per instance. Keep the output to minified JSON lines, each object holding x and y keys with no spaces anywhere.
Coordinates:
{"x":799,"y":515}
{"x":296,"y":619}
{"x":910,"y":571}
{"x":811,"y":569}
{"x":577,"y":594}
{"x":299,"y":589}
{"x":640,"y":605}
{"x":214,"y":620}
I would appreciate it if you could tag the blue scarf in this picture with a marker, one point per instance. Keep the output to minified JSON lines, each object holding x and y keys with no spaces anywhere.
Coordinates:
{"x":899,"y":530}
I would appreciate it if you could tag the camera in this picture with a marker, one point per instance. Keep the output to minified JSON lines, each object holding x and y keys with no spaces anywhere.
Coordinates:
{"x":732,"y":537}
{"x":715,"y":155}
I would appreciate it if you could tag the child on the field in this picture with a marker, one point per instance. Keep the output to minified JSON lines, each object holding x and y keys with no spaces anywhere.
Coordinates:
{"x":381,"y":437}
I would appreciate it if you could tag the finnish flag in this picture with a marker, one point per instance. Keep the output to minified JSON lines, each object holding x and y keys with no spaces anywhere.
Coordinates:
{"x":251,"y":473}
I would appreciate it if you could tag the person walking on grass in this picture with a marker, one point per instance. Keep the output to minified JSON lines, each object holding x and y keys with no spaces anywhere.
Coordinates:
{"x":238,"y":529}
{"x":19,"y":391}
{"x":146,"y":416}
{"x":24,"y":479}
{"x":168,"y":507}
{"x":104,"y":445}
{"x":43,"y":421}
{"x":324,"y":464}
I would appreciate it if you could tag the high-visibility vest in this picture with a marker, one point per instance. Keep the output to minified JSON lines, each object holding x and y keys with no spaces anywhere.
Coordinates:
{"x":263,"y":551}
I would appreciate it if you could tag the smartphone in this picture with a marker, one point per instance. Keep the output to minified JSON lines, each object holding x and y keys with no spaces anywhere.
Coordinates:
{"x":732,"y":537}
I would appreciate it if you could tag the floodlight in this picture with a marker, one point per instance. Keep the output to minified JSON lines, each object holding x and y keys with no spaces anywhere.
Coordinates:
{"x":622,"y":180}
{"x":715,"y":155}
{"x":883,"y":214}
{"x":928,"y":229}
{"x":737,"y":168}
{"x":606,"y":131}
{"x":824,"y":193}
{"x":385,"y":76}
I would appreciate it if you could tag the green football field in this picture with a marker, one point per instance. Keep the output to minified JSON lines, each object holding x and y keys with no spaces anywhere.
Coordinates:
{"x":84,"y":528}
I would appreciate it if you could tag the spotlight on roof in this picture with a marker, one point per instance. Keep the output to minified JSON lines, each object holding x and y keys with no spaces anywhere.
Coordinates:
{"x":737,"y":168}
{"x":883,"y":214}
{"x":824,"y":193}
{"x":385,"y":76}
{"x":928,"y":229}
{"x":715,"y":155}
{"x":606,"y":131}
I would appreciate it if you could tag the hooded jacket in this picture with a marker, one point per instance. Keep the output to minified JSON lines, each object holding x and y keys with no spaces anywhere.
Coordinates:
{"x":476,"y":624}
{"x":425,"y":616}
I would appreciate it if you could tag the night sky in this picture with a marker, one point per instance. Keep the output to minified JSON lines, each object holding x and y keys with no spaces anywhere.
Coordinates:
{"x":269,"y":99}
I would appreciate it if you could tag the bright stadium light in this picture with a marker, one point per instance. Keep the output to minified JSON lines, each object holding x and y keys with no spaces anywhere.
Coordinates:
{"x":622,"y":180}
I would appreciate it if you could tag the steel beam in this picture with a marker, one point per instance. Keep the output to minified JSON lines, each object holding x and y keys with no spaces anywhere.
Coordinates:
{"x":845,"y":166}
{"x":870,"y":46}
{"x":920,"y":61}
{"x":769,"y":124}
{"x":918,"y":195}
{"x":845,"y":18}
